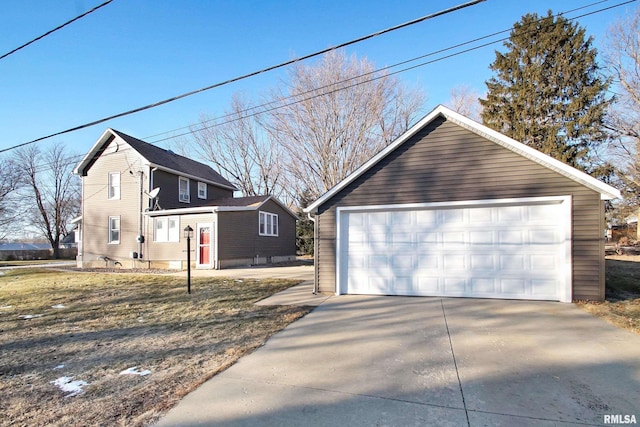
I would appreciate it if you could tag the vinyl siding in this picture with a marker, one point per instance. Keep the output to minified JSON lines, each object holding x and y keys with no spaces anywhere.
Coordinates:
{"x":97,"y":208}
{"x":239,"y":236}
{"x":168,"y":197}
{"x":445,"y":162}
{"x":176,"y":251}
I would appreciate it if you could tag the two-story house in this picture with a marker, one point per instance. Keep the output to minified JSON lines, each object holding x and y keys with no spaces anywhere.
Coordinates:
{"x":138,"y":198}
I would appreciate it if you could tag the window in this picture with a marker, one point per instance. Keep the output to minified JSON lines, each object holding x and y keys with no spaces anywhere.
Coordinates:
{"x":114,"y":185}
{"x":202,"y":190}
{"x":268,"y":224}
{"x":114,"y":229}
{"x":166,"y":229}
{"x":183,"y":190}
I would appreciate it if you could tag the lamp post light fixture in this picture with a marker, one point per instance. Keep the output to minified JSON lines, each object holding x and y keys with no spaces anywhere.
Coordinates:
{"x":188,"y":234}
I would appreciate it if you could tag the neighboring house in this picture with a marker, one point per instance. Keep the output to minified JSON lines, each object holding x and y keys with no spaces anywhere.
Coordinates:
{"x":69,"y":241}
{"x":24,"y":251}
{"x":138,"y":198}
{"x":452,"y":208}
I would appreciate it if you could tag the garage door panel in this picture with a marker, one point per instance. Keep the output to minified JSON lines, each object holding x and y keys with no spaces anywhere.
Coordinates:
{"x":487,"y":251}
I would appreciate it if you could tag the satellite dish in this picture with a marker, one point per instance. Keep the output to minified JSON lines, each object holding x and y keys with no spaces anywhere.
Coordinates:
{"x":154,"y":193}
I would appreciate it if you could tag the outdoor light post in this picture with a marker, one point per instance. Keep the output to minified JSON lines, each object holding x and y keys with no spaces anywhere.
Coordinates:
{"x":188,"y":234}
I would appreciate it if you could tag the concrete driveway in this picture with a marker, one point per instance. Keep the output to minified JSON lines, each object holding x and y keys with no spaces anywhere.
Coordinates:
{"x":397,"y":361}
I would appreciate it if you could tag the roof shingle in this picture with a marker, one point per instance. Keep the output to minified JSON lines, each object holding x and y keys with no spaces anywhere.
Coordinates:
{"x":167,"y":159}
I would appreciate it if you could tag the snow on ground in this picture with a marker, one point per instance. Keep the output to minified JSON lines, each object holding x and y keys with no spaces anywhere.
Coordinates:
{"x":31,"y":316}
{"x":68,"y":385}
{"x":58,"y":306}
{"x":133,"y":371}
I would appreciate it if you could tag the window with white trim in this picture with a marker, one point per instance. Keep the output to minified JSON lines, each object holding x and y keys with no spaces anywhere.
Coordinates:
{"x":183,"y":190}
{"x":202,"y":190}
{"x":114,"y":229}
{"x":166,"y":229}
{"x":268,"y":224}
{"x":114,"y":186}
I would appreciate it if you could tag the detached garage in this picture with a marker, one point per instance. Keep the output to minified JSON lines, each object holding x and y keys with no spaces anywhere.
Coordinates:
{"x":453,"y":208}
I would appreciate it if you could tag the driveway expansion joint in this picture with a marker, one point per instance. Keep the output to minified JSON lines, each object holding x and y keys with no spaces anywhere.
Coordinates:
{"x":455,"y":363}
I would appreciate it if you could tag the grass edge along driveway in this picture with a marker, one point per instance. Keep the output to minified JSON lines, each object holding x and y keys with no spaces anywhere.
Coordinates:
{"x":120,"y":349}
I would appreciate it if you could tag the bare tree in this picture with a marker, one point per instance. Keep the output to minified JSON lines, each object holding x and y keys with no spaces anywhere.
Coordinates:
{"x":9,"y":182}
{"x":335,"y":115}
{"x":622,"y":57}
{"x":238,"y":148}
{"x":464,"y":100}
{"x":51,"y":197}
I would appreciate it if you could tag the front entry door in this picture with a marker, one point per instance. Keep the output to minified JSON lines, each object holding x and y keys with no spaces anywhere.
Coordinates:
{"x":204,"y":246}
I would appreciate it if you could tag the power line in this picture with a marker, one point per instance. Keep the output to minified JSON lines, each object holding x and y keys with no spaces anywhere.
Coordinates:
{"x":55,"y":29}
{"x":234,"y":116}
{"x":276,"y":105}
{"x":261,"y":109}
{"x":252,"y":74}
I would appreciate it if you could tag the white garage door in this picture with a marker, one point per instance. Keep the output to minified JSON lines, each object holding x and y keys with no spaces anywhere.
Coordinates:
{"x":516,"y":249}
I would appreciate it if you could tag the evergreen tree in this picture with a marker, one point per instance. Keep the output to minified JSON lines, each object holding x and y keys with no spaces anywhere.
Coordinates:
{"x":547,"y":91}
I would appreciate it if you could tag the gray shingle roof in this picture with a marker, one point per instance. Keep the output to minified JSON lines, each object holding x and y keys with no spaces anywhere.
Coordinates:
{"x":167,"y":159}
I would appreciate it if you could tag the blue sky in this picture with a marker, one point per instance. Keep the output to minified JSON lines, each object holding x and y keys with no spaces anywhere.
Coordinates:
{"x":134,"y":52}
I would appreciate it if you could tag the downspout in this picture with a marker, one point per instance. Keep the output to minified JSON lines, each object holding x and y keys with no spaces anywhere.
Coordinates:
{"x":315,"y":252}
{"x":140,"y":215}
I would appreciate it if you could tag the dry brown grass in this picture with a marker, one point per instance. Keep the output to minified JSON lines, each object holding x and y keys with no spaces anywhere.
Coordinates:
{"x":111,"y":322}
{"x":622,"y":302}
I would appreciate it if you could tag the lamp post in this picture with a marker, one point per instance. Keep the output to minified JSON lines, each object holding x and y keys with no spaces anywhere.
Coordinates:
{"x":188,"y":234}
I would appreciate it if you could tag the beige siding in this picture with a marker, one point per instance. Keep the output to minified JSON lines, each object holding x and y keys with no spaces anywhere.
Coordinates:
{"x":445,"y":162}
{"x":97,"y":207}
{"x":173,"y":254}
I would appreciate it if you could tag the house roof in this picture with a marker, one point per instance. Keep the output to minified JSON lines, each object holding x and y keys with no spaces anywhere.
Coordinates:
{"x":24,"y":246}
{"x":606,"y":191}
{"x":155,"y":157}
{"x":228,"y":204}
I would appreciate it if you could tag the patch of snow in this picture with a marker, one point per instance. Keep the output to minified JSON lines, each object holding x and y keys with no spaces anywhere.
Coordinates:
{"x":30,"y":316}
{"x":68,"y":385}
{"x":133,"y":371}
{"x":4,"y":307}
{"x":58,"y":306}
{"x":1,"y":273}
{"x":239,"y":281}
{"x":59,"y":367}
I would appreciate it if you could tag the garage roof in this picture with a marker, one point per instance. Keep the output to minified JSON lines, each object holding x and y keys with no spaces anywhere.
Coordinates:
{"x":606,"y":191}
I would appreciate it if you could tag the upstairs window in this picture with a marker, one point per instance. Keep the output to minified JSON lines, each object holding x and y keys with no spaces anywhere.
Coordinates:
{"x":202,"y":190}
{"x":114,"y":229}
{"x":183,"y":190}
{"x":114,"y":185}
{"x":268,"y":224}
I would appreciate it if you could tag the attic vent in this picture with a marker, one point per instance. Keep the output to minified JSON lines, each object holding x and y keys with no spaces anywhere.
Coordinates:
{"x":170,"y":152}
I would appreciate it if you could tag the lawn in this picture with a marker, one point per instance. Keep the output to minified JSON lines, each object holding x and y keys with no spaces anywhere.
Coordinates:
{"x":85,"y":330}
{"x":622,"y":300}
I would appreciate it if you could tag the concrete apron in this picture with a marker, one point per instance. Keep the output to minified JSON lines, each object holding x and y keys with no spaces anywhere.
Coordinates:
{"x":363,"y":360}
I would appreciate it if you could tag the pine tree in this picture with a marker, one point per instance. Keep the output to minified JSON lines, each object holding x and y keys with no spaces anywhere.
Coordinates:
{"x":547,"y":91}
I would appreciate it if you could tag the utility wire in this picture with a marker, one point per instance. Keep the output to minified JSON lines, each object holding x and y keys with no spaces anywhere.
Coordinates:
{"x":274,"y":104}
{"x":55,"y":29}
{"x":277,"y":104}
{"x":245,"y":76}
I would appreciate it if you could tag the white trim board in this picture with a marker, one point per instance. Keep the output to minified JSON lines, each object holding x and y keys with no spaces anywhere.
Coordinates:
{"x":565,"y":294}
{"x":606,"y":191}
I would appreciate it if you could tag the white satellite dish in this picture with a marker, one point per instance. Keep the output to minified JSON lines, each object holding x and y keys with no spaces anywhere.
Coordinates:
{"x":154,"y":193}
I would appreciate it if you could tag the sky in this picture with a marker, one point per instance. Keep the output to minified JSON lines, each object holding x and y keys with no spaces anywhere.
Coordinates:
{"x":132,"y":53}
